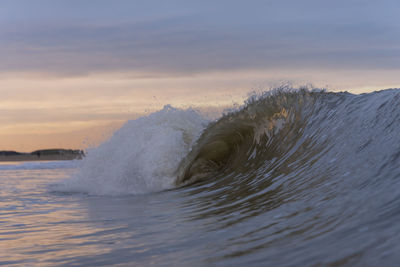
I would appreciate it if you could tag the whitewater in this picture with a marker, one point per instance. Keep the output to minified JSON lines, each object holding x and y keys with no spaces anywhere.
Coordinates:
{"x":293,"y":177}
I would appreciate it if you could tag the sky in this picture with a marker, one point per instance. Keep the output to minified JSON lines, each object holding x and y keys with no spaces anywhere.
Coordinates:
{"x":72,"y":71}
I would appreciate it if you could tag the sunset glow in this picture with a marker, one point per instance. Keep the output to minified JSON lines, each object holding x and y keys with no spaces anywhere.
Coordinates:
{"x":69,"y":73}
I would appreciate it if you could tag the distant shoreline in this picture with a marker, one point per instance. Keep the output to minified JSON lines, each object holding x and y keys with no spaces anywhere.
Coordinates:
{"x":42,"y":155}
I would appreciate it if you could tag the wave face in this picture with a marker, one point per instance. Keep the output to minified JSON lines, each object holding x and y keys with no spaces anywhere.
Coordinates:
{"x":269,"y":128}
{"x":301,"y":136}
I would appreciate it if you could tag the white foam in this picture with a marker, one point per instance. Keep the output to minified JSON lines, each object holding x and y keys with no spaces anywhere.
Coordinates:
{"x":140,"y":157}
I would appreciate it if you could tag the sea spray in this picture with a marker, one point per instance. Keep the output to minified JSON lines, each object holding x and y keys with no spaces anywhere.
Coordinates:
{"x":140,"y":157}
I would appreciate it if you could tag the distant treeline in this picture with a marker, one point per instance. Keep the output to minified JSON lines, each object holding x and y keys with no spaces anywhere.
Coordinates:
{"x":55,"y":153}
{"x":10,"y":153}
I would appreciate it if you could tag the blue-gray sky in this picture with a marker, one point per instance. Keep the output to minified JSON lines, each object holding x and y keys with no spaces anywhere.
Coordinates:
{"x":71,"y":67}
{"x":75,"y":37}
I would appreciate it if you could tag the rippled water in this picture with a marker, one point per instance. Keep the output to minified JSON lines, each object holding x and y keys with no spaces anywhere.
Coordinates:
{"x":194,"y":225}
{"x":291,"y":179}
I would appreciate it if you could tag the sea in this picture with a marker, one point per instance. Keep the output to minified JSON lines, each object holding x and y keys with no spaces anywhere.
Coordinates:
{"x":294,"y":177}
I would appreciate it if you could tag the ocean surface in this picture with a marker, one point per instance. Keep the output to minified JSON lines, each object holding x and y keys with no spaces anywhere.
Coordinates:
{"x":291,"y":178}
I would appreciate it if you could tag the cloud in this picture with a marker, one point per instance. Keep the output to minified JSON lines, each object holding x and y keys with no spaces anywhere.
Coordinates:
{"x":196,"y":38}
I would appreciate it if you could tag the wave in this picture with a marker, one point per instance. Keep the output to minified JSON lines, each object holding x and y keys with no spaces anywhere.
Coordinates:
{"x":287,"y":139}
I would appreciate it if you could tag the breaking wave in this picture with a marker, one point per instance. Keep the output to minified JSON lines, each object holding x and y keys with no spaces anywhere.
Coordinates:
{"x":288,"y":140}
